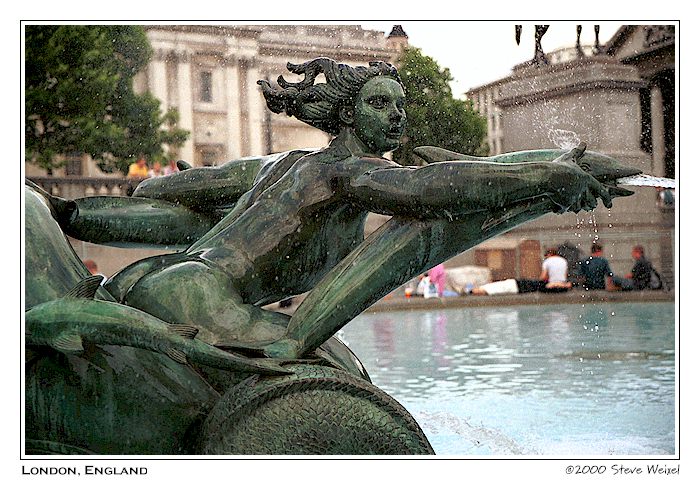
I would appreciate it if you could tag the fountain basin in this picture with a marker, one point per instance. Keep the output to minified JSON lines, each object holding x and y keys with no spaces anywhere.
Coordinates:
{"x":558,"y":380}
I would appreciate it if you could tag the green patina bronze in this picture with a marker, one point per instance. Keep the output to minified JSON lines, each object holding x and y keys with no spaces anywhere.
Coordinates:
{"x":251,"y":233}
{"x":66,"y":323}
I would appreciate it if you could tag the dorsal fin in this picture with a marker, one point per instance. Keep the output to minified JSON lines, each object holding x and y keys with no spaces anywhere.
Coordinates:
{"x":86,"y":288}
{"x":436,"y":154}
{"x":177,"y":355}
{"x":573,"y":154}
{"x":186,"y":331}
{"x":68,"y":343}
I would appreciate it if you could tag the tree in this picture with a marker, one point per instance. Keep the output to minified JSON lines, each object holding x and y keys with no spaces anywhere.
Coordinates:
{"x":79,"y":97}
{"x":435,"y":117}
{"x":172,"y":136}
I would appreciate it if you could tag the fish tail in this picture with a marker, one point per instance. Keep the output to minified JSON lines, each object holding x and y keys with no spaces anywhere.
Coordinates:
{"x":215,"y":357}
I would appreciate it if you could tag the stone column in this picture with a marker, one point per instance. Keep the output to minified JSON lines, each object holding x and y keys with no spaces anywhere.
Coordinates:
{"x":657,"y":132}
{"x":158,"y":78}
{"x":184,"y":106}
{"x":234,"y":138}
{"x":254,"y":106}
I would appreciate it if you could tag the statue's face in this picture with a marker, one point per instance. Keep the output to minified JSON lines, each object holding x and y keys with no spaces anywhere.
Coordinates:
{"x":380,"y":119}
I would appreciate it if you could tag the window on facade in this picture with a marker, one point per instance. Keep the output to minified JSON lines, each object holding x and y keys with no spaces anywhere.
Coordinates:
{"x":208,"y":158}
{"x":74,"y":166}
{"x":205,"y":87}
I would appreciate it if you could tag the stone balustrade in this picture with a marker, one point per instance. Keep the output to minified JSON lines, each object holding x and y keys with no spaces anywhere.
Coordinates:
{"x":76,"y":187}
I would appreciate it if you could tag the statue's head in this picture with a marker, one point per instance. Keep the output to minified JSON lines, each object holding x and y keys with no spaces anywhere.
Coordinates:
{"x":368,"y":100}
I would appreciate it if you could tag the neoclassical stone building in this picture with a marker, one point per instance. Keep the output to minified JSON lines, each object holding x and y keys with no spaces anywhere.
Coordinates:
{"x":651,"y":50}
{"x":646,"y":52}
{"x":209,"y":73}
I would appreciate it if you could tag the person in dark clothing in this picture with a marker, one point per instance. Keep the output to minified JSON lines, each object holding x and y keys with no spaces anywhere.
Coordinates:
{"x":640,"y":276}
{"x":596,"y":270}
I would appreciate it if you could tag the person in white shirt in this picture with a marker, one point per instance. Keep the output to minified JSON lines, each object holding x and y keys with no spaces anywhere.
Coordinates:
{"x":555,"y":269}
{"x":553,"y":279}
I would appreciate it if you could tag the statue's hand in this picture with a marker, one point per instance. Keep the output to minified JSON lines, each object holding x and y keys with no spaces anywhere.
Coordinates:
{"x":572,"y":189}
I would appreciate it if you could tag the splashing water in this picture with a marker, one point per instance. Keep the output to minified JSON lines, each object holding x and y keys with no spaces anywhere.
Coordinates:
{"x":564,"y":139}
{"x":476,"y":439}
{"x":643,"y":180}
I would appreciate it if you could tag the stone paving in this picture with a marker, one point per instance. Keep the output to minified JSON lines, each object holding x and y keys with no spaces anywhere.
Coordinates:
{"x":396,"y":302}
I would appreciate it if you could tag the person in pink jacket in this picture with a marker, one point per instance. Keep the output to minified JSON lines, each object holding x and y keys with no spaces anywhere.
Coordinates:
{"x":437,"y":277}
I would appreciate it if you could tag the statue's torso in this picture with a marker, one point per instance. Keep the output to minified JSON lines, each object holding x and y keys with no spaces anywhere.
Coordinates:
{"x":292,"y":233}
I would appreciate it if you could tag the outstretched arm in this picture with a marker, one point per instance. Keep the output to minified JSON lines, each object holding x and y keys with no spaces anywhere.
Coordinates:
{"x":448,"y":189}
{"x":210,"y":188}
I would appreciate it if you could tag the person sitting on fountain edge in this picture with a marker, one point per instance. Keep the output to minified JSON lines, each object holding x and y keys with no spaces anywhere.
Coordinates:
{"x":553,"y":279}
{"x":596,"y":270}
{"x":643,"y":276}
{"x":300,"y":227}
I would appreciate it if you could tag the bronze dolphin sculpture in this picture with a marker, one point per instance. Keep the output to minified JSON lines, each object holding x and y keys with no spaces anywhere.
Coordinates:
{"x":65,"y":323}
{"x":605,"y":169}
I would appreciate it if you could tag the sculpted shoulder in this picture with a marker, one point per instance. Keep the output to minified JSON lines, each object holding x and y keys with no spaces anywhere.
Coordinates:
{"x":358,"y":165}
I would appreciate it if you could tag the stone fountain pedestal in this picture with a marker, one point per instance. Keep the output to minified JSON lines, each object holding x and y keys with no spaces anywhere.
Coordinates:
{"x":595,"y":100}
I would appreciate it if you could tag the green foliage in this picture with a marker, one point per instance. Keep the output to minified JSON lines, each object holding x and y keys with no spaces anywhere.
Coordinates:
{"x":79,"y":96}
{"x":435,"y":117}
{"x":172,"y":136}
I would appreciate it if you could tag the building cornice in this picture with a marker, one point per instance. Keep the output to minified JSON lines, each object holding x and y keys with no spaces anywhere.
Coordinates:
{"x":658,"y":39}
{"x":361,"y":56}
{"x":240,"y":31}
{"x":660,"y":51}
{"x":487,"y":86}
{"x":568,"y":90}
{"x":619,"y":38}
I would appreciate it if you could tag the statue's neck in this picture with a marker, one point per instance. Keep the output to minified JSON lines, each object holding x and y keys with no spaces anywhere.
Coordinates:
{"x":357,"y":148}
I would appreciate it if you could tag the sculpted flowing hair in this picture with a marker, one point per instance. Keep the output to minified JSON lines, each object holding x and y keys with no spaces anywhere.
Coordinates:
{"x":318,"y":104}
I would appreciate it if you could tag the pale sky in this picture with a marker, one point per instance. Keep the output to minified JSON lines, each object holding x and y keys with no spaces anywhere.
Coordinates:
{"x":479,"y":52}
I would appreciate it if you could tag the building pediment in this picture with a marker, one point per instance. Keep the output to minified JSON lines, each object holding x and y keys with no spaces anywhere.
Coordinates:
{"x":632,"y":42}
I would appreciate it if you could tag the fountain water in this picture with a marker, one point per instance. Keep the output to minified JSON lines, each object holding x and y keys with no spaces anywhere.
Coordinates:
{"x":567,"y":139}
{"x":564,"y":139}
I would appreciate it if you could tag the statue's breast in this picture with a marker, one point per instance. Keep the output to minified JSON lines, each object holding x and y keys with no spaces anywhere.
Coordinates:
{"x":322,"y":242}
